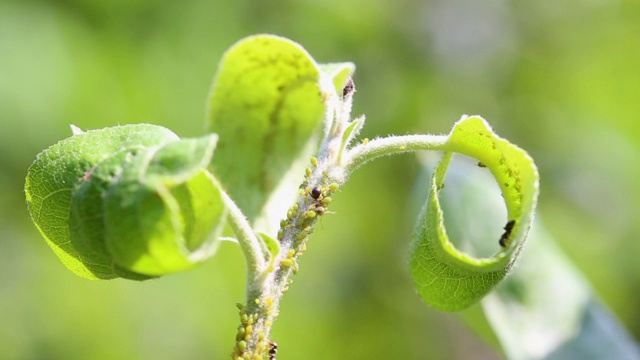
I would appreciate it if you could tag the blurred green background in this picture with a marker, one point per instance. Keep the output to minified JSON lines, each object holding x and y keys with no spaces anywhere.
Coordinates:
{"x":560,"y":79}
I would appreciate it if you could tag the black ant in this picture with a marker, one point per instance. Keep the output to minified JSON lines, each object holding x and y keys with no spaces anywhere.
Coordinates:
{"x":273,"y":349}
{"x":507,"y":231}
{"x":349,"y":88}
{"x":316,"y":194}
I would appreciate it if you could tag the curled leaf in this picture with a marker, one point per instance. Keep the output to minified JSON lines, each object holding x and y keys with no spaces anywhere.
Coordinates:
{"x":445,"y":277}
{"x":130,"y":201}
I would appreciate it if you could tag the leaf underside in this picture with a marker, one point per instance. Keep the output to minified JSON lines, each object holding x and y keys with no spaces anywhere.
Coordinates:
{"x":266,"y":105}
{"x":130,"y":201}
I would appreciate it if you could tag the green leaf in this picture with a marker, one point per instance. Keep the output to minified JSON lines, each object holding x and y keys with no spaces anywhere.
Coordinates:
{"x":265,"y":104}
{"x":445,"y":277}
{"x":545,"y":308}
{"x":352,"y":130}
{"x":272,"y":245}
{"x":130,"y":201}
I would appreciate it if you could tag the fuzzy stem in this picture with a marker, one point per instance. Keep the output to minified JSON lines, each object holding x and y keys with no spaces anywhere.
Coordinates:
{"x":261,"y":309}
{"x":329,"y":171}
{"x":327,"y":175}
{"x":254,"y":250}
{"x":365,"y":152}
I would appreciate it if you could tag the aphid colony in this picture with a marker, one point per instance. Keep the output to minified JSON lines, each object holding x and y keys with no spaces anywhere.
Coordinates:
{"x":321,"y":201}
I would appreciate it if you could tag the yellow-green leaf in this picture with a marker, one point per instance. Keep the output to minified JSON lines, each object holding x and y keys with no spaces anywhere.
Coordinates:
{"x":266,"y":104}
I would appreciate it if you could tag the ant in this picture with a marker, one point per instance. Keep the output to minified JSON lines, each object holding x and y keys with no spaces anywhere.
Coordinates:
{"x":273,"y":349}
{"x":507,"y":231}
{"x":316,"y":194}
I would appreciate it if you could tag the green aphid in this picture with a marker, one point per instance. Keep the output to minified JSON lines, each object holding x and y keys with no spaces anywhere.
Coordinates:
{"x":242,"y":345}
{"x":286,"y":262}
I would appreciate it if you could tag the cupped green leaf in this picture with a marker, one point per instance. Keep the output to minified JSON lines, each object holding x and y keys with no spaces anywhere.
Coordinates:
{"x":165,"y":217}
{"x":130,"y":201}
{"x":545,"y":308}
{"x":267,"y":103}
{"x":445,"y":277}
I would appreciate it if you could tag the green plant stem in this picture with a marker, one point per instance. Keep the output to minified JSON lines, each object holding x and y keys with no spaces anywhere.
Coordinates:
{"x":365,"y":152}
{"x":254,"y":250}
{"x":261,"y":309}
{"x":328,"y":173}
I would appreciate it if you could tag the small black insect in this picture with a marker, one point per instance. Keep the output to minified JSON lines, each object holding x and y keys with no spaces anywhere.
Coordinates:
{"x":316,"y":192}
{"x":349,"y":87}
{"x":481,"y":164}
{"x":273,"y":349}
{"x":507,"y":232}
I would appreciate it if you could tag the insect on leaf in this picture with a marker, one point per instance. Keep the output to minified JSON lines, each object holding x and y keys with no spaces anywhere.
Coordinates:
{"x":445,"y":277}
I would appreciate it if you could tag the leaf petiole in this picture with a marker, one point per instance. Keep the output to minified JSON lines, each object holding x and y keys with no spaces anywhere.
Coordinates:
{"x":253,"y":249}
{"x":365,"y":152}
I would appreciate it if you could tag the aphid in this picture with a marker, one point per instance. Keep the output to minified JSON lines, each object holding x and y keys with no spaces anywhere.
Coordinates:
{"x":507,"y":231}
{"x":316,"y":192}
{"x":320,"y":210}
{"x":286,"y":262}
{"x":481,"y":164}
{"x":349,"y":87}
{"x":273,"y":349}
